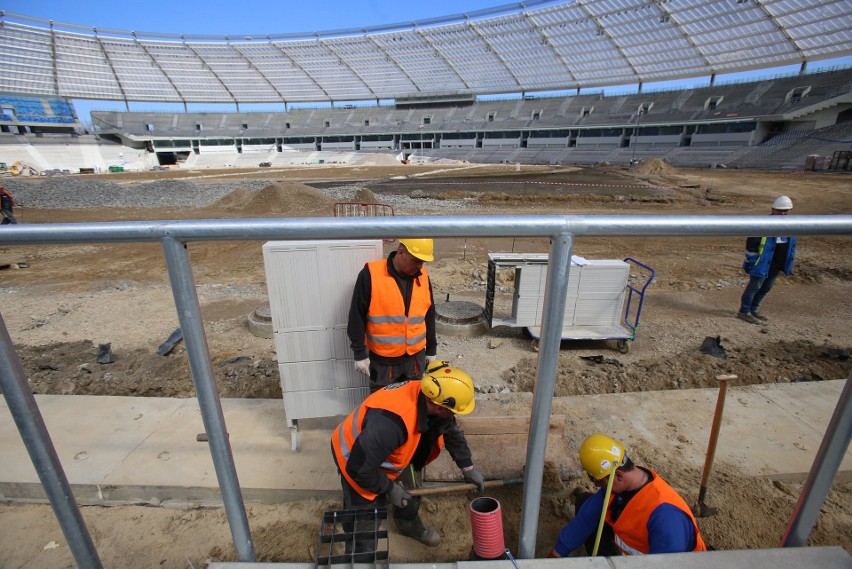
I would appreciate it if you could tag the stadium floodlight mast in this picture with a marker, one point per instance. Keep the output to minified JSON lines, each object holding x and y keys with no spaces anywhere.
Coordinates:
{"x":636,"y":134}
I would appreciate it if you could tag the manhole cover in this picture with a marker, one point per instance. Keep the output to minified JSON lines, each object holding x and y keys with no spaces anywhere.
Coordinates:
{"x":260,"y":322}
{"x":263,"y":314}
{"x":459,"y":312}
{"x":460,"y":318}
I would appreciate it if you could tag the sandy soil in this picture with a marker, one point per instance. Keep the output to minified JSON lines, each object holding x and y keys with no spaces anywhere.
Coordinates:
{"x":70,"y":299}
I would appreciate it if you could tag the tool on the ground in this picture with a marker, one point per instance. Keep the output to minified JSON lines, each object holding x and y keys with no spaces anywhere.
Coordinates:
{"x":466,"y":487}
{"x":702,"y":510}
{"x":512,"y":559}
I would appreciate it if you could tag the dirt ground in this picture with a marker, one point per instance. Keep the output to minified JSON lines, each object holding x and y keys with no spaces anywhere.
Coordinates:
{"x":69,"y":299}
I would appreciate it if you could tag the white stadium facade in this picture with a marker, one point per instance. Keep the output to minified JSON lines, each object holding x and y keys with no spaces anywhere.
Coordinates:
{"x":521,"y":83}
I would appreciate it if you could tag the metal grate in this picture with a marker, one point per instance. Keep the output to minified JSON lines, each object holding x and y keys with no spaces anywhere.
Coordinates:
{"x":354,"y":209}
{"x":353,"y":536}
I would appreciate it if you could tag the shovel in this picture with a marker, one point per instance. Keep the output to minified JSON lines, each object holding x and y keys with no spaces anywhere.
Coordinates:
{"x":702,"y":510}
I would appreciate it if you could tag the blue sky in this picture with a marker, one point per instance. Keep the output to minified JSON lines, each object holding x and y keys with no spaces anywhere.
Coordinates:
{"x":261,"y":17}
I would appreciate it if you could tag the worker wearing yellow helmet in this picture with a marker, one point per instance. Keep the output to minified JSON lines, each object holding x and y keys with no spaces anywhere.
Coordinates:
{"x":643,"y":513}
{"x":395,"y":432}
{"x":391,"y":323}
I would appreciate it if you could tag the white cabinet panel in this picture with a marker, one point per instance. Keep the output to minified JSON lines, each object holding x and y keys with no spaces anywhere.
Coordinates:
{"x":303,"y":345}
{"x":310,"y":288}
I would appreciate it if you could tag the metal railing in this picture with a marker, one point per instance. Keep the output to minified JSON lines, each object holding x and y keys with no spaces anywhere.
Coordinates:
{"x":561,"y":229}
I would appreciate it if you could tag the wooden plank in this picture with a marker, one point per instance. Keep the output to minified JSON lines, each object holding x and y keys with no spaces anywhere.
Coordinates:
{"x":499,"y":447}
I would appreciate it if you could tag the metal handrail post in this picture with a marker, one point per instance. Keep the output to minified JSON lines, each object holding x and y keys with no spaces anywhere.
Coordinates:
{"x":189,"y":316}
{"x":555,"y":290}
{"x":25,"y":412}
{"x":827,"y":461}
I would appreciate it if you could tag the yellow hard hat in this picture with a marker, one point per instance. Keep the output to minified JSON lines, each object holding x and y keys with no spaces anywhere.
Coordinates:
{"x":600,"y":455}
{"x":423,"y":249}
{"x":448,"y":387}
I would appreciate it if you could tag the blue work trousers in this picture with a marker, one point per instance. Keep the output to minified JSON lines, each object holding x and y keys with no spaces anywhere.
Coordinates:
{"x":756,"y":290}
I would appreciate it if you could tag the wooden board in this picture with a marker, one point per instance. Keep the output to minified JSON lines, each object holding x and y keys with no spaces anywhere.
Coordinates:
{"x":499,"y":447}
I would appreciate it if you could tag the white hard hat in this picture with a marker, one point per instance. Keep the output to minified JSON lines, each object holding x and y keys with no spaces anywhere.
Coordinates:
{"x":782,"y":202}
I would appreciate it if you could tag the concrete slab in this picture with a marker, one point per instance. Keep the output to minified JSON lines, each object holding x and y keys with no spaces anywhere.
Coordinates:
{"x":123,"y":449}
{"x":767,"y":430}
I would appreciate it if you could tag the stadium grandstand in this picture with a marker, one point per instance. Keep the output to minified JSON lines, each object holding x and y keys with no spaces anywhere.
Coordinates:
{"x":520,"y":83}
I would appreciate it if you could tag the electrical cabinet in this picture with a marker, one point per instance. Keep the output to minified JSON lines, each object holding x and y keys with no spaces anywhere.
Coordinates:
{"x":309,"y":284}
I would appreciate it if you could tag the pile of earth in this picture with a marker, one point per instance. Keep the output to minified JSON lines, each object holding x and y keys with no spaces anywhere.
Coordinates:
{"x":781,"y":362}
{"x":655,"y":167}
{"x":279,"y":198}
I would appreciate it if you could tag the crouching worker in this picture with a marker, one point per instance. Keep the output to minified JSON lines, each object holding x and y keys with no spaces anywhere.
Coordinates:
{"x":644,"y":514}
{"x":394,"y":433}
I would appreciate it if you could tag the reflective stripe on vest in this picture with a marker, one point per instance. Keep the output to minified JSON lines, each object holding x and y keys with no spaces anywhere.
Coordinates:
{"x":398,"y":398}
{"x":631,"y":529}
{"x":389,"y":332}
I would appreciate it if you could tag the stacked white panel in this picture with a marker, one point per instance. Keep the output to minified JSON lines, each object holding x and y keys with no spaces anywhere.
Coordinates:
{"x":310,"y":288}
{"x":600,"y":296}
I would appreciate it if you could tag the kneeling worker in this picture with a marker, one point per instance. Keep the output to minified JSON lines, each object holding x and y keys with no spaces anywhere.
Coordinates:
{"x":394,"y":433}
{"x":644,"y":514}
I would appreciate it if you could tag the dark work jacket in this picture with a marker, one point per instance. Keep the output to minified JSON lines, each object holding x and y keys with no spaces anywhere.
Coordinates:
{"x":383,"y":432}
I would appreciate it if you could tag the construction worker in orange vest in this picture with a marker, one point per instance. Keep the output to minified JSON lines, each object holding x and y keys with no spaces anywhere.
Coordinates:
{"x":394,"y":433}
{"x":391,"y":324}
{"x":7,"y":204}
{"x":644,"y":514}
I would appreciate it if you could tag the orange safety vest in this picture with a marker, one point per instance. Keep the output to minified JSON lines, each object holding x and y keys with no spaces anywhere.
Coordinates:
{"x":631,"y":529}
{"x":398,"y":398}
{"x":390,"y":332}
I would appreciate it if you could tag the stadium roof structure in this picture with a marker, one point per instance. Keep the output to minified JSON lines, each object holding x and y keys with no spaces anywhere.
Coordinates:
{"x":536,"y":46}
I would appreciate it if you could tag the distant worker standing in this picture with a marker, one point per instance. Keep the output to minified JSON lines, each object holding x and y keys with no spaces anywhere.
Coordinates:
{"x":394,"y":433}
{"x":765,"y":258}
{"x":392,"y":315}
{"x":7,"y":204}
{"x":644,"y":514}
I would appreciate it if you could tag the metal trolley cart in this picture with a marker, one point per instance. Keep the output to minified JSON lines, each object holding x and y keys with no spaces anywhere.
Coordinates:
{"x":603,"y":302}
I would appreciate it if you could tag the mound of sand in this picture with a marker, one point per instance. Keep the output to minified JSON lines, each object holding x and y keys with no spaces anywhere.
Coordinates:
{"x":655,"y":167}
{"x":282,"y":199}
{"x":365,"y":195}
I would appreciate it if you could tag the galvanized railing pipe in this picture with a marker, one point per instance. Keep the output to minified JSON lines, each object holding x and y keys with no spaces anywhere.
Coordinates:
{"x":826,"y":463}
{"x":192,"y":326}
{"x":555,"y":291}
{"x":30,"y":423}
{"x":424,"y":226}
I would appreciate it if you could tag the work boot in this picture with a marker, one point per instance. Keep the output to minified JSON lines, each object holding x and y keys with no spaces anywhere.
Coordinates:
{"x":748,"y":318}
{"x":418,"y":530}
{"x":759,"y":316}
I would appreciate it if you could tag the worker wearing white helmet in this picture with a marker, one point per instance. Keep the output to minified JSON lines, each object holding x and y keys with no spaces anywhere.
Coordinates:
{"x":398,"y":430}
{"x":391,"y":324}
{"x":765,"y":259}
{"x":643,"y":513}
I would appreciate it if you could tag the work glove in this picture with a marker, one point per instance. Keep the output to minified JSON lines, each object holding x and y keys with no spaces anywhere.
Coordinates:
{"x":398,"y":496}
{"x":430,"y":359}
{"x":475,"y":477}
{"x":363,"y":366}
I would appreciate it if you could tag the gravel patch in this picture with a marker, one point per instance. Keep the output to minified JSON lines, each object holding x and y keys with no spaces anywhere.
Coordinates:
{"x":76,"y":193}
